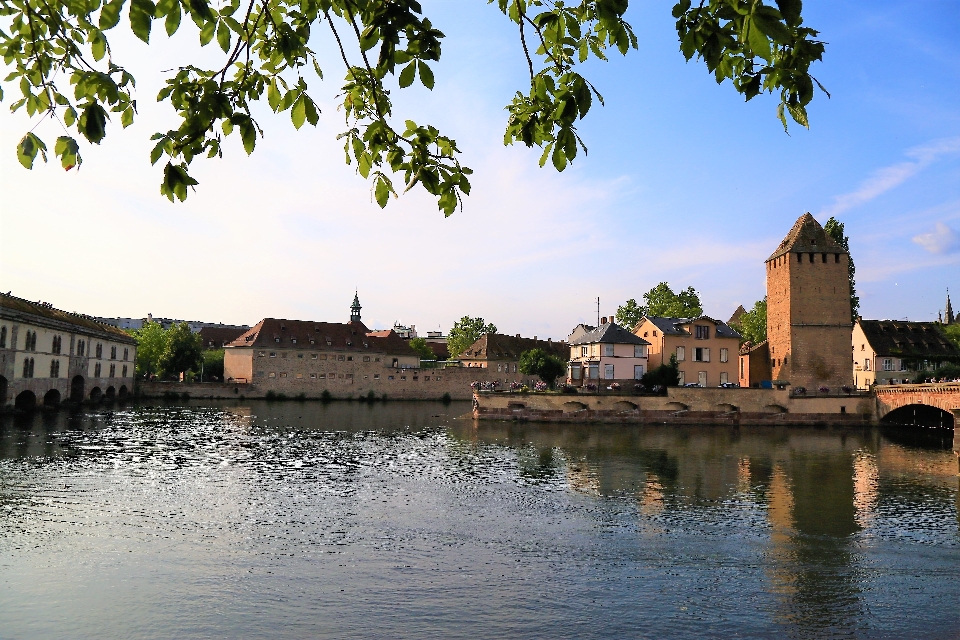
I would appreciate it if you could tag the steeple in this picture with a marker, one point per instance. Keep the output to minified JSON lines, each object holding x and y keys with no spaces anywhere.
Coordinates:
{"x":948,"y":317}
{"x":355,"y":308}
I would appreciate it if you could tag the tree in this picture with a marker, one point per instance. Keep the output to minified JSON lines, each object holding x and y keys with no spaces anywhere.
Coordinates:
{"x":183,"y":351}
{"x":151,"y":343}
{"x":465,"y":332}
{"x":629,"y":314}
{"x":546,"y":366}
{"x":423,"y":349}
{"x":952,"y":332}
{"x":666,"y":375}
{"x":661,"y":301}
{"x":834,"y":229}
{"x":384,"y":45}
{"x":752,"y":324}
{"x":213,"y":364}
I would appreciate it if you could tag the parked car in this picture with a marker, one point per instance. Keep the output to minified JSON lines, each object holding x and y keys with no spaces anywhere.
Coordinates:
{"x":729,"y":385}
{"x":692,"y":384}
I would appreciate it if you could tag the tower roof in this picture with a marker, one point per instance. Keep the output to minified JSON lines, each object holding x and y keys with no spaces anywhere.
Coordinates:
{"x":807,"y":236}
{"x":948,"y":317}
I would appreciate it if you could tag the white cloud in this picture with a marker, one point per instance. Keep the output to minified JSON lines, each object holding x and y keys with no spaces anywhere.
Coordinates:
{"x":887,"y":178}
{"x":942,"y":240}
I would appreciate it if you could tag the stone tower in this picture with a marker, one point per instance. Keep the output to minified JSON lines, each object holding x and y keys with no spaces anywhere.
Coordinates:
{"x":808,"y":309}
{"x":355,"y":308}
{"x":948,"y":314}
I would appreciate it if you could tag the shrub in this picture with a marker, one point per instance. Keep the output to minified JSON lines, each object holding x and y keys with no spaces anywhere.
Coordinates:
{"x":325,"y":397}
{"x":666,"y":375}
{"x":371,"y":396}
{"x":271,"y":396}
{"x":446,"y":399}
{"x":301,"y":397}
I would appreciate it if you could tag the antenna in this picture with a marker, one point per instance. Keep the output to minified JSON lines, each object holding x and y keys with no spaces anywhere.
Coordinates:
{"x":598,"y":311}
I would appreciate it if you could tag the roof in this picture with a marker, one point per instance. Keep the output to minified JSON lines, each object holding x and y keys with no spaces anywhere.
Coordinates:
{"x":807,"y":236}
{"x":220,"y":335}
{"x":46,"y":310}
{"x":609,"y":333}
{"x":736,"y":315}
{"x":675,"y":326}
{"x":497,"y":346}
{"x":753,"y":349}
{"x":908,"y":339}
{"x":307,"y":334}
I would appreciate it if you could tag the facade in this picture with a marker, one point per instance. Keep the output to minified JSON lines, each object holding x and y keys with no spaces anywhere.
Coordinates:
{"x":580,"y":330}
{"x":706,"y":349}
{"x":500,"y":355}
{"x":607,"y":353}
{"x":808,"y":309}
{"x":895,"y":352}
{"x":48,"y":356}
{"x":754,"y":364}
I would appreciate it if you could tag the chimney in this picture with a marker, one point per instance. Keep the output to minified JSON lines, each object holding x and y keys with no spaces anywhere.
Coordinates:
{"x":603,"y":320}
{"x":534,"y":337}
{"x":549,"y":339}
{"x":518,"y":335}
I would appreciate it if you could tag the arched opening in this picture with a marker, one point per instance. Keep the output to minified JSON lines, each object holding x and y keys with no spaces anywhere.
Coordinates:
{"x":623,"y":405}
{"x":515,"y":406}
{"x":51,"y":398}
{"x":96,"y":395}
{"x":26,"y":401}
{"x":774,"y":408}
{"x":3,"y":391}
{"x":110,"y":394}
{"x":76,"y":389}
{"x":122,"y":392}
{"x":573,"y":407}
{"x":919,"y":415}
{"x":728,"y":408}
{"x":676,"y":406}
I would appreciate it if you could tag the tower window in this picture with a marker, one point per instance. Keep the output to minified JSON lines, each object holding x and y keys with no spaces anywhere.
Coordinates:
{"x":836,"y":258}
{"x":811,"y":257}
{"x":823,"y":257}
{"x":799,"y":257}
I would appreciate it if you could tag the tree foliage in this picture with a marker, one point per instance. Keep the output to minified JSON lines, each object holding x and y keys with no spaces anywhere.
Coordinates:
{"x":465,"y":332}
{"x":752,"y":324}
{"x":666,"y":375}
{"x":661,"y":301}
{"x":834,"y":229}
{"x":63,"y":65}
{"x":546,"y":366}
{"x":952,"y":332}
{"x":423,"y":349}
{"x":183,"y":351}
{"x":151,"y":342}
{"x":213,"y":364}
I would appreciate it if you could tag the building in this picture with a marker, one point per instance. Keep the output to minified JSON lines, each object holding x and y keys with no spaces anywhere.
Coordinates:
{"x":896,"y":352}
{"x":808,"y":309}
{"x":406,"y":333}
{"x":219,"y":336}
{"x":496,"y":351}
{"x":166,"y":323}
{"x":948,"y":317}
{"x":609,"y":353}
{"x":48,"y":355}
{"x":578,"y":332}
{"x":705,"y":348}
{"x":754,"y":364}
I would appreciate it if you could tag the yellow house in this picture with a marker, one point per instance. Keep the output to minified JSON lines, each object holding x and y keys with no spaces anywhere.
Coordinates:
{"x":706,"y":349}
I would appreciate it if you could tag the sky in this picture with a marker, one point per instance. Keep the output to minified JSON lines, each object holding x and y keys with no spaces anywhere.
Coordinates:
{"x":684,"y":183}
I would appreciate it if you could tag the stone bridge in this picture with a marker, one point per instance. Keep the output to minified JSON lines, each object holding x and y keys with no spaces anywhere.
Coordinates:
{"x":945,"y":396}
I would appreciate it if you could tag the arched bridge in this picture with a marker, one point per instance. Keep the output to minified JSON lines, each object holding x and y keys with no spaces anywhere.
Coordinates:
{"x":944,"y":396}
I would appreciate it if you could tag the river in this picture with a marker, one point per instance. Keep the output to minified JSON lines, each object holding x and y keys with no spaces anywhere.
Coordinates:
{"x":405,"y":520}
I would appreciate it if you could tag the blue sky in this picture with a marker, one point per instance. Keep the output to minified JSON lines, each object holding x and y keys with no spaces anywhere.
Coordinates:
{"x":684,"y":182}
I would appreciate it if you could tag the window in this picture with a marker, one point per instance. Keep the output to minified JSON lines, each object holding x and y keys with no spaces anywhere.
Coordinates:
{"x":350,"y":358}
{"x":54,"y":368}
{"x":403,"y":377}
{"x":283,"y":375}
{"x":888,"y":364}
{"x":113,"y":353}
{"x":323,"y":376}
{"x":341,"y":358}
{"x":654,"y":333}
{"x":262,"y":354}
{"x":583,"y":351}
{"x":294,"y":341}
{"x":575,"y":372}
{"x":3,"y":337}
{"x":28,"y":367}
{"x":323,"y":356}
{"x":113,"y":370}
{"x":903,"y":365}
{"x":99,"y":350}
{"x":276,"y":339}
{"x":313,"y":376}
{"x":724,"y":377}
{"x":126,"y":354}
{"x":57,"y":344}
{"x":81,"y":347}
{"x":741,"y":367}
{"x":637,"y":371}
{"x":272,"y":374}
{"x":376,"y":376}
{"x":499,"y":368}
{"x":639,"y":351}
{"x":645,"y":334}
{"x":701,"y":355}
{"x":594,"y":371}
{"x":608,"y":372}
{"x":376,"y":359}
{"x":426,"y":378}
{"x":96,"y":370}
{"x":683,"y":378}
{"x":313,"y":356}
{"x":416,"y":377}
{"x":273,"y":354}
{"x":681,"y":354}
{"x":299,"y":376}
{"x":702,"y":332}
{"x":514,"y":368}
{"x":724,"y":354}
{"x":124,"y":371}
{"x":389,"y":377}
{"x":866,"y":364}
{"x":608,"y":349}
{"x":366,"y":358}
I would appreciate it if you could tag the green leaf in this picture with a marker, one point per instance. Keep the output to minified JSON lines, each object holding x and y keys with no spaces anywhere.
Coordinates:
{"x":141,"y":18}
{"x":273,"y":96}
{"x":28,"y":148}
{"x":93,"y":123}
{"x":223,"y":36}
{"x":407,"y":75}
{"x":126,"y":118}
{"x":759,"y":43}
{"x":559,"y":158}
{"x":172,"y":23}
{"x":791,"y":11}
{"x":98,"y":45}
{"x":426,"y":75}
{"x":207,"y":32}
{"x":313,"y":115}
{"x":382,"y":192}
{"x":110,"y":14}
{"x":248,"y":133}
{"x":69,"y":152}
{"x":299,"y":112}
{"x":364,"y":163}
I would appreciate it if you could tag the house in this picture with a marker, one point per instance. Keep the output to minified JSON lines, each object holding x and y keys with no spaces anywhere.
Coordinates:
{"x":502,"y":352}
{"x":48,"y":355}
{"x":754,"y":364}
{"x":579,"y":331}
{"x":219,"y":336}
{"x":895,"y":352}
{"x":609,"y":353}
{"x":705,"y":348}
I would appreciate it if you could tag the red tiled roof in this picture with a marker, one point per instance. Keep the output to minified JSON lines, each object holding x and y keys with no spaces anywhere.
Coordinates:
{"x":219,"y":336}
{"x":497,"y":346}
{"x":307,"y":334}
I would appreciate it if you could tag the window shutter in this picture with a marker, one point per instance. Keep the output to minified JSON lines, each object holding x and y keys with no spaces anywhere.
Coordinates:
{"x":706,"y":354}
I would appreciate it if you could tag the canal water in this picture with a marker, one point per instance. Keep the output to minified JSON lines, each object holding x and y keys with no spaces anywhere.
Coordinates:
{"x":402,"y":520}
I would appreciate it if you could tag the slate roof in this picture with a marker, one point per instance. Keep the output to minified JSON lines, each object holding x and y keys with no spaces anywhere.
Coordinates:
{"x":220,"y":336}
{"x":14,"y":303}
{"x":908,"y":339}
{"x":806,"y":236}
{"x":675,"y":326}
{"x":279,"y":333}
{"x":609,"y":333}
{"x":497,"y":346}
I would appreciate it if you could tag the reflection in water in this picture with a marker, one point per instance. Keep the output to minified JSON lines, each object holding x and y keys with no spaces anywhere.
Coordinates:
{"x":355,"y":520}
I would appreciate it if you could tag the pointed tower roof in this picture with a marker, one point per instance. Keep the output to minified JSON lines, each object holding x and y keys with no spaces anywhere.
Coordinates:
{"x":948,"y":317}
{"x":355,"y":308}
{"x":807,"y":236}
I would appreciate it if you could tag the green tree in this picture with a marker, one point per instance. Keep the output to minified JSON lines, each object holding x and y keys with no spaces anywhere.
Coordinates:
{"x":834,"y":229}
{"x":183,"y":351}
{"x":666,"y":375}
{"x":63,"y":66}
{"x":213,"y":364}
{"x":752,"y":325}
{"x":465,"y":332}
{"x":151,"y":343}
{"x":629,"y":314}
{"x":662,"y":301}
{"x":423,"y":349}
{"x":952,"y":332}
{"x":546,"y":366}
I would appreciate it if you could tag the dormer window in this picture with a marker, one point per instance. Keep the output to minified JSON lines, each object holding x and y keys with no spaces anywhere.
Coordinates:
{"x":276,"y":339}
{"x":349,"y":344}
{"x":294,"y":341}
{"x":312,"y":341}
{"x":283,"y":327}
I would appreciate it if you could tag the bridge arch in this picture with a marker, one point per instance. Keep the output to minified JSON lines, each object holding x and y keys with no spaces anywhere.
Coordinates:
{"x":51,"y":398}
{"x":944,"y":396}
{"x":920,"y":415}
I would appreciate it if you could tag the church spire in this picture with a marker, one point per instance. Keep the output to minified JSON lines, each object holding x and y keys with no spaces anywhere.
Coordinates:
{"x":948,"y":317}
{"x":355,"y":308}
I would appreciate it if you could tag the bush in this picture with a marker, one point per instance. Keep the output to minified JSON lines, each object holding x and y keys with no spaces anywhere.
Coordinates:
{"x":446,"y":399}
{"x":371,"y":396}
{"x":325,"y":397}
{"x":666,"y":375}
{"x":271,"y":396}
{"x":301,"y":397}
{"x":546,"y":366}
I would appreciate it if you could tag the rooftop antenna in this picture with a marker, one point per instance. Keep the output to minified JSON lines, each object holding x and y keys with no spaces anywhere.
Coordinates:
{"x":598,"y":311}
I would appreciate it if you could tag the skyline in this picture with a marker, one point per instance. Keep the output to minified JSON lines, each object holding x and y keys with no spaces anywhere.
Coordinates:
{"x":883,"y":155}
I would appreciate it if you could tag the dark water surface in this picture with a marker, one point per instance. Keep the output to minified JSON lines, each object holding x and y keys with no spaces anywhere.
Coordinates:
{"x":299,"y":520}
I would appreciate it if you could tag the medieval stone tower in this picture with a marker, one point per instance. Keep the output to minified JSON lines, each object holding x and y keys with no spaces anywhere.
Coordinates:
{"x":808,"y":309}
